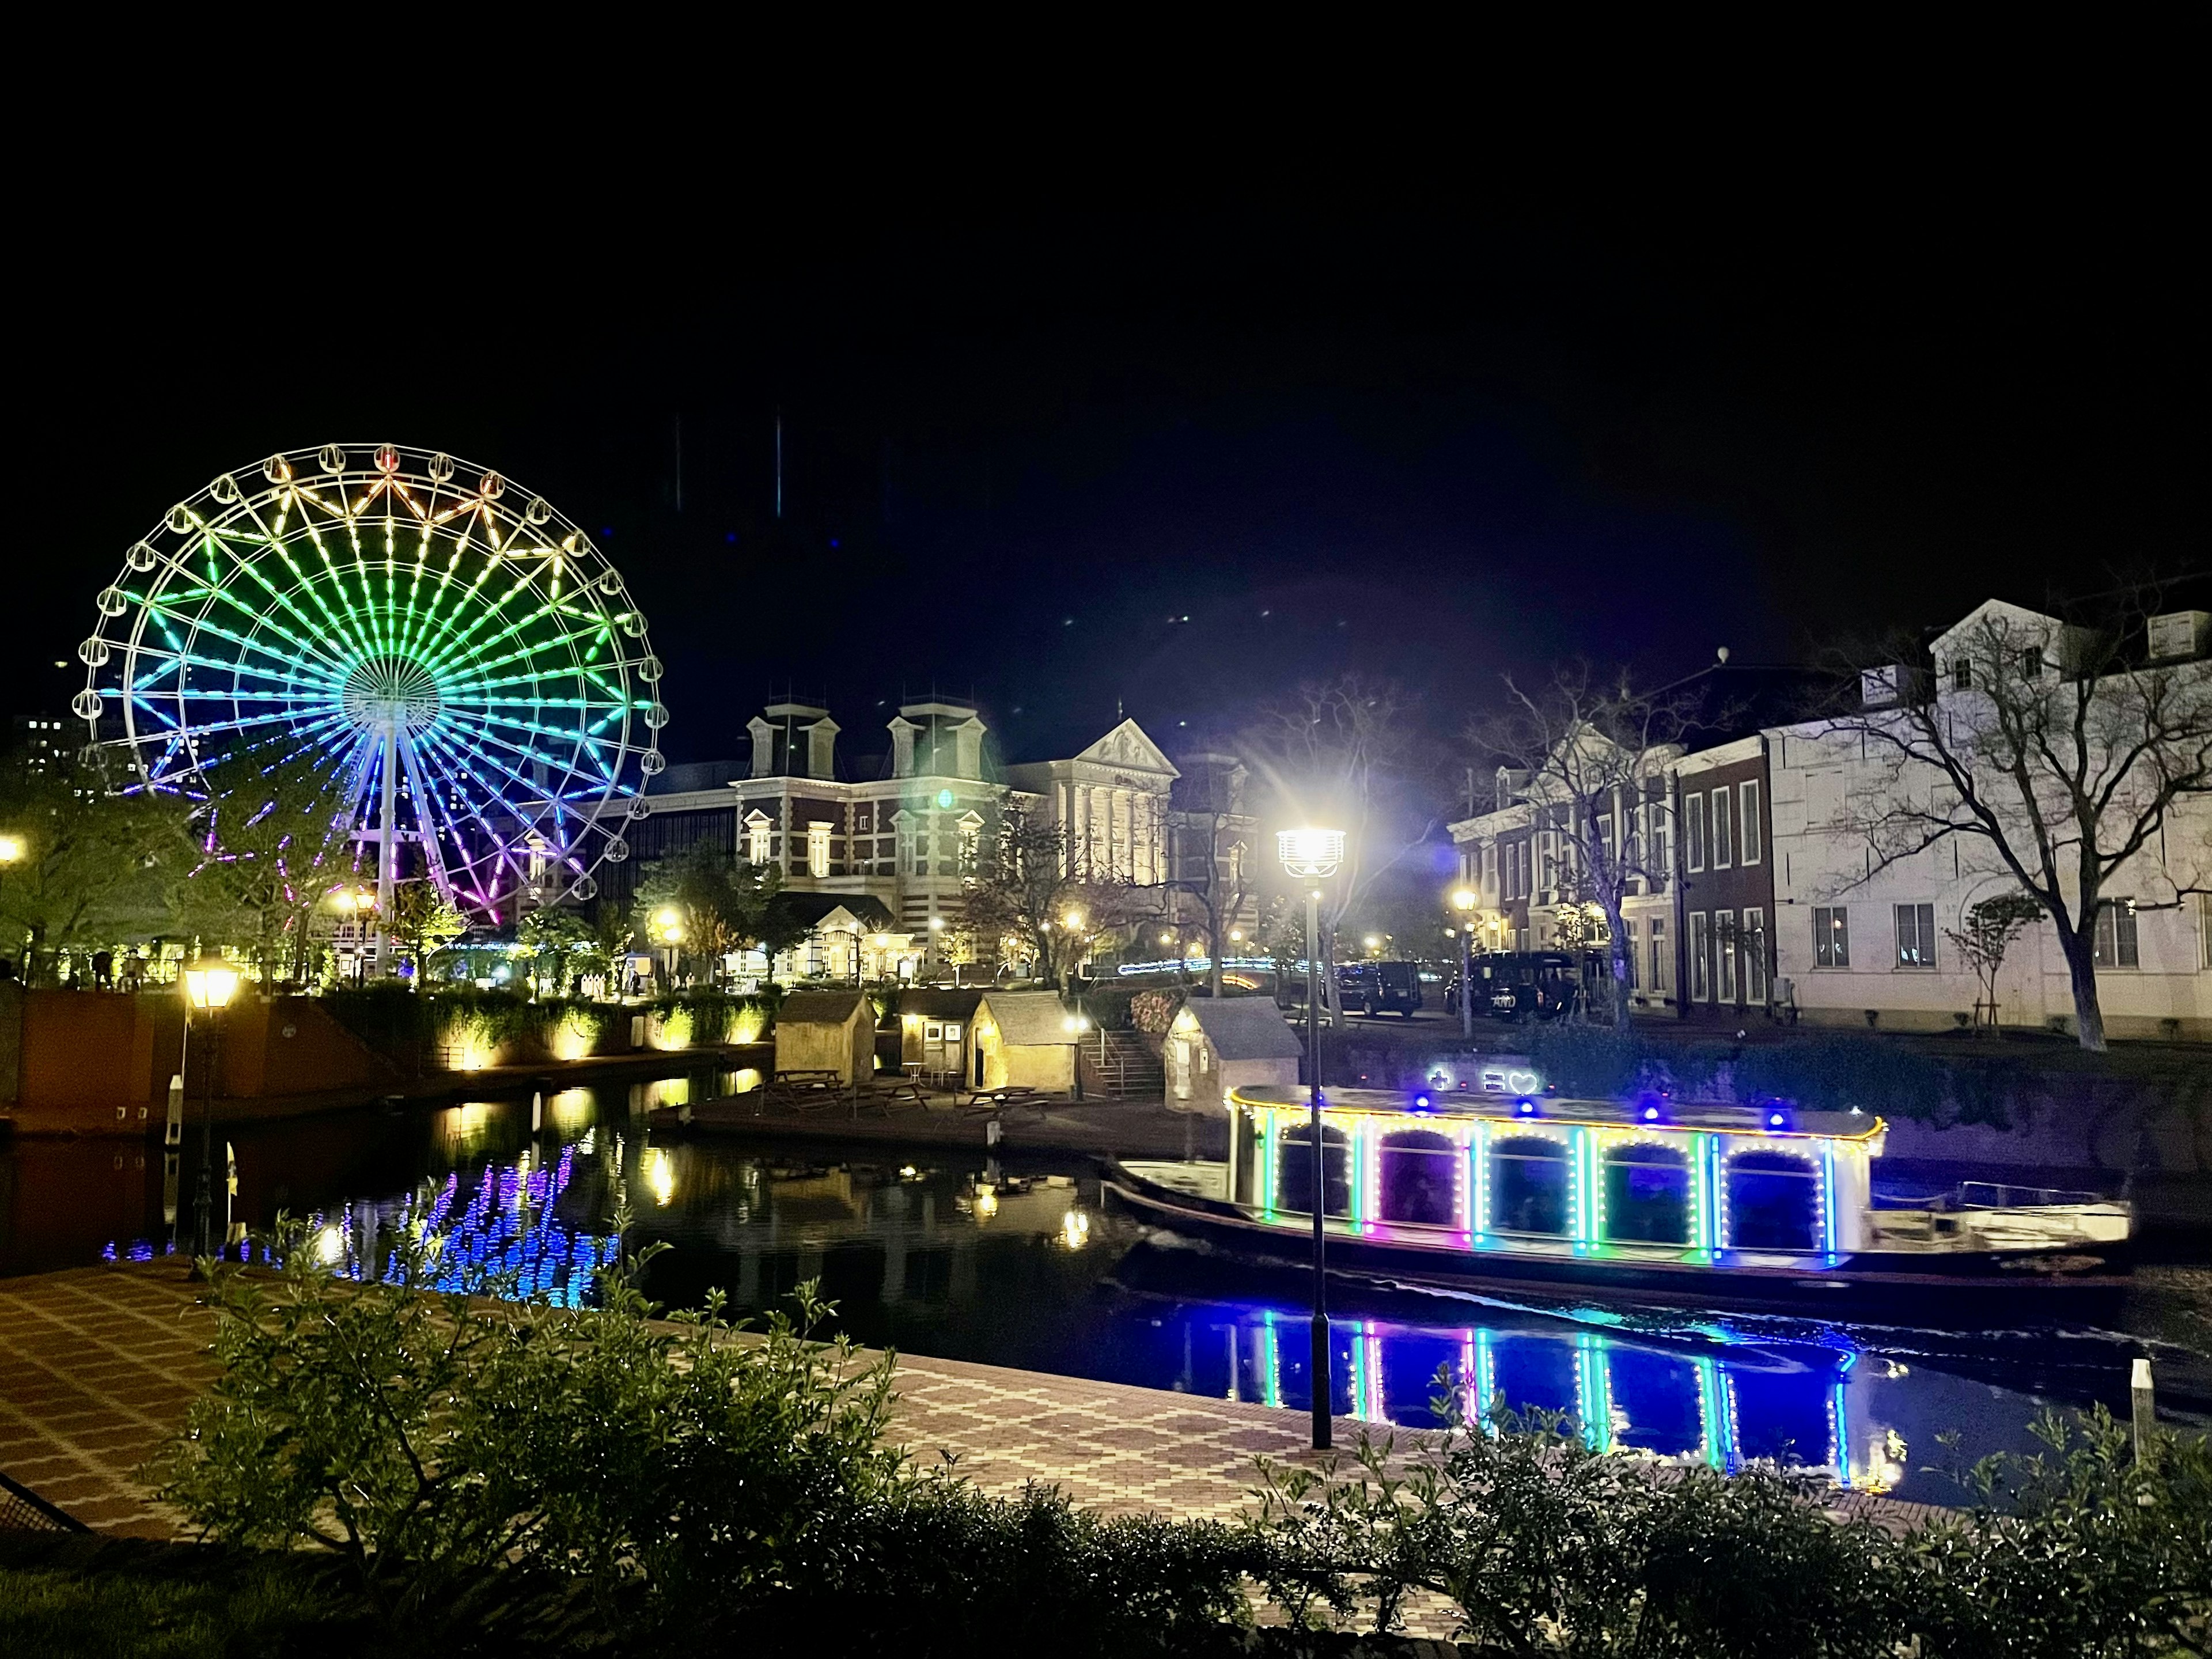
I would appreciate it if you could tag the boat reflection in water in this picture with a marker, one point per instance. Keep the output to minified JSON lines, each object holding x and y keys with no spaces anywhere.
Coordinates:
{"x":1722,"y":1407}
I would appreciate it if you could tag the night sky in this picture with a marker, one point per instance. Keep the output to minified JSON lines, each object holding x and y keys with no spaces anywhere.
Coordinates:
{"x":1183,"y":459}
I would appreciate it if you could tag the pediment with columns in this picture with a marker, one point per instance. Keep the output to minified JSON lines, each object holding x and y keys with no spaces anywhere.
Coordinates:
{"x":1128,"y":748}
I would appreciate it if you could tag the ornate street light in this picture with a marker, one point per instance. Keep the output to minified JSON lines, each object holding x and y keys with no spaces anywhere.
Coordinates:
{"x":1314,"y":855}
{"x":210,"y":983}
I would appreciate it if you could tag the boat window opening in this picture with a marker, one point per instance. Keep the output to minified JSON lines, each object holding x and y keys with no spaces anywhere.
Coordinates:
{"x":1647,"y":1195}
{"x":1294,"y":1171}
{"x":1418,"y":1169}
{"x":1774,"y":1202}
{"x":1529,"y":1186}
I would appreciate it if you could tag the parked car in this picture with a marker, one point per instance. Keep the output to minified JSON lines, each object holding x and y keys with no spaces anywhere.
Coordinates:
{"x":1376,"y":987}
{"x":1521,"y":985}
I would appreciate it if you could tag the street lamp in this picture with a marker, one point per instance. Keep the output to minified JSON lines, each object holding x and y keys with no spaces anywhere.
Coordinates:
{"x":209,"y":984}
{"x":1312,"y":856}
{"x":12,"y":849}
{"x":1463,"y":901}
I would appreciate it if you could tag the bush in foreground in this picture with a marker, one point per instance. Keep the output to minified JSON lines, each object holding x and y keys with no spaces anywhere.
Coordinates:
{"x":550,"y":1476}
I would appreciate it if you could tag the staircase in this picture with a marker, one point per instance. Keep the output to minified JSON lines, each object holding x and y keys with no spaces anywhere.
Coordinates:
{"x":1128,"y":1070}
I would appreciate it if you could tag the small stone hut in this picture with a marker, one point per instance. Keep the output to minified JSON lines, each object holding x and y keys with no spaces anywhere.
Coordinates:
{"x":1024,"y":1040}
{"x":827,"y":1031}
{"x":1215,"y":1044}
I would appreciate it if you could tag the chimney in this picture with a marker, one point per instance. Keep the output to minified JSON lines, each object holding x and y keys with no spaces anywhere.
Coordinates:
{"x":902,"y":730}
{"x":968,"y":748}
{"x":764,"y":747}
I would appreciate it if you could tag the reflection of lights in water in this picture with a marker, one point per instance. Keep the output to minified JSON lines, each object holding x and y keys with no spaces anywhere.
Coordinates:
{"x":986,"y":1200}
{"x":744,"y":1080}
{"x":665,"y":1092}
{"x":660,"y":1175}
{"x":570,"y":1109}
{"x":1075,"y":1230}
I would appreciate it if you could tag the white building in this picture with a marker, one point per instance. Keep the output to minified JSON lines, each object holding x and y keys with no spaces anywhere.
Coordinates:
{"x":1861,"y":942}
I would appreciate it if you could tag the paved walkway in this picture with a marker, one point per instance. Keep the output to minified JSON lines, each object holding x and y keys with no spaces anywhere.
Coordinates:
{"x":98,"y":1365}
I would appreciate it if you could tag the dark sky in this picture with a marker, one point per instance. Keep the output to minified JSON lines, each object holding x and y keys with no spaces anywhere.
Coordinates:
{"x":1183,"y":459}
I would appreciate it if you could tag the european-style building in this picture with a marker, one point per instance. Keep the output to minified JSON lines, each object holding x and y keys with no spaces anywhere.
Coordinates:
{"x":901,"y":827}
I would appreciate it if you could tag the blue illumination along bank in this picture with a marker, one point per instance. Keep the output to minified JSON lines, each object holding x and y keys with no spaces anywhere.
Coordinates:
{"x":1665,"y":1201}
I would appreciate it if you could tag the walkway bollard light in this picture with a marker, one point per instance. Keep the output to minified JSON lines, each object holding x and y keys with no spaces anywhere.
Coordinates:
{"x":1312,"y":856}
{"x":209,"y":984}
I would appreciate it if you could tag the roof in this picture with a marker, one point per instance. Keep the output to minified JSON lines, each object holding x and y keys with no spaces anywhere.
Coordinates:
{"x":1030,"y":1018}
{"x":1245,"y":1028}
{"x":821,"y":1008}
{"x":691,"y":776}
{"x":813,"y":909}
{"x":941,"y":1004}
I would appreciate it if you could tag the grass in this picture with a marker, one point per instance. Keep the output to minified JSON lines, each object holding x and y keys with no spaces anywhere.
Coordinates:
{"x":92,"y":1601}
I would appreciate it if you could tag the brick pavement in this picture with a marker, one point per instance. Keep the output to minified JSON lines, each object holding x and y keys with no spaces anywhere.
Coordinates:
{"x":98,"y":1364}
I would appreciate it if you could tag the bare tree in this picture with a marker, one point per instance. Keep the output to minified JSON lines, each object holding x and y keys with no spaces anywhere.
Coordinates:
{"x":1219,"y":878}
{"x":1031,"y":884}
{"x":1345,"y":752}
{"x":2055,"y":751}
{"x":1593,"y":751}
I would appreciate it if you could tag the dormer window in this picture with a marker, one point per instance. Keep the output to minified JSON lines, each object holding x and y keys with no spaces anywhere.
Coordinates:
{"x":1962,"y":674}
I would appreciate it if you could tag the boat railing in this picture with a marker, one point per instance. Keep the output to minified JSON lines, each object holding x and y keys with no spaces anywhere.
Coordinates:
{"x":1999,"y":1196}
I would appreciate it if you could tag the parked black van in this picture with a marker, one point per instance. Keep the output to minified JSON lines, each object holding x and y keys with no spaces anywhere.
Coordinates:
{"x":1376,"y":987}
{"x":1518,"y":985}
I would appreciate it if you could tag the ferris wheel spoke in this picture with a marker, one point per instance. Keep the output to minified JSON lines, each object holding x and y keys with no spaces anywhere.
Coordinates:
{"x":273,"y":537}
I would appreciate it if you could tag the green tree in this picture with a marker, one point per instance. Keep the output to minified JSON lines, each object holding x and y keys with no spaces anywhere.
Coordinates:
{"x":423,"y":921}
{"x":1991,"y":927}
{"x":98,"y":865}
{"x":558,"y":940}
{"x":721,"y":903}
{"x":270,"y":851}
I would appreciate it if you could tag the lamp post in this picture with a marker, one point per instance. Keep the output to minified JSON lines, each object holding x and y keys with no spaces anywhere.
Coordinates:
{"x":1312,"y":856}
{"x":12,"y":849}
{"x":209,"y":984}
{"x":1463,"y":901}
{"x":668,"y":933}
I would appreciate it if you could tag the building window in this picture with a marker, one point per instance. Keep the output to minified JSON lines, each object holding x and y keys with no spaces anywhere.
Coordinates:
{"x":1661,"y":844}
{"x":817,"y":850}
{"x":1628,"y":955}
{"x":1725,"y":939}
{"x":1754,"y":945}
{"x":757,"y":840}
{"x":1722,"y":819}
{"x":1962,"y":674}
{"x":1662,"y":965}
{"x":1915,"y":936}
{"x":1752,"y":844}
{"x":1489,"y":870}
{"x":1693,"y":832}
{"x":1831,"y":937}
{"x":2031,"y":664}
{"x":2116,"y":934}
{"x":1701,"y":988}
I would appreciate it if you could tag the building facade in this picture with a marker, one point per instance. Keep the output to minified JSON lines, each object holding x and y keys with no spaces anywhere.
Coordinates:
{"x":903,"y":827}
{"x":1861,"y":939}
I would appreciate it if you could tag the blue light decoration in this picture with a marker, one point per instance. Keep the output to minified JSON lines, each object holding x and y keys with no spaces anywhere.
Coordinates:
{"x":455,"y":655}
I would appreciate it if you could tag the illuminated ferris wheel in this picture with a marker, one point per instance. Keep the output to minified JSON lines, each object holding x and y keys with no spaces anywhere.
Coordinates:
{"x":456,"y":656}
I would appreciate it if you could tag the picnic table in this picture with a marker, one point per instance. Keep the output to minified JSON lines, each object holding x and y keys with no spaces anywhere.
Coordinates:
{"x":982,"y":1103}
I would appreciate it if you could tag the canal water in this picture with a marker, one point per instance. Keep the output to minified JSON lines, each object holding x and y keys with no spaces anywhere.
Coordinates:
{"x":1013,"y":1261}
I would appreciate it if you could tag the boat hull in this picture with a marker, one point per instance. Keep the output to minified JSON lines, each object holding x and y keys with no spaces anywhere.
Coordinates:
{"x":1965,"y":1287}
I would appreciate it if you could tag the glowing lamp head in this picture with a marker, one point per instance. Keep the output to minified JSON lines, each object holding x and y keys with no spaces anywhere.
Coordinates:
{"x":11,"y":849}
{"x":1463,"y":899}
{"x":211,"y":982}
{"x":937,"y":924}
{"x":1312,"y":854}
{"x":1650,"y":1114}
{"x":1073,"y":921}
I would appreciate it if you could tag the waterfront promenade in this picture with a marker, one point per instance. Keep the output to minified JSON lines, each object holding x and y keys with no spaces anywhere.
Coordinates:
{"x":99,"y":1364}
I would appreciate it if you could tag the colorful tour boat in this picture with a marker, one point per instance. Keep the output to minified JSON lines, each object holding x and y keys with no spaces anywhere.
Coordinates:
{"x":1671,"y":1202}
